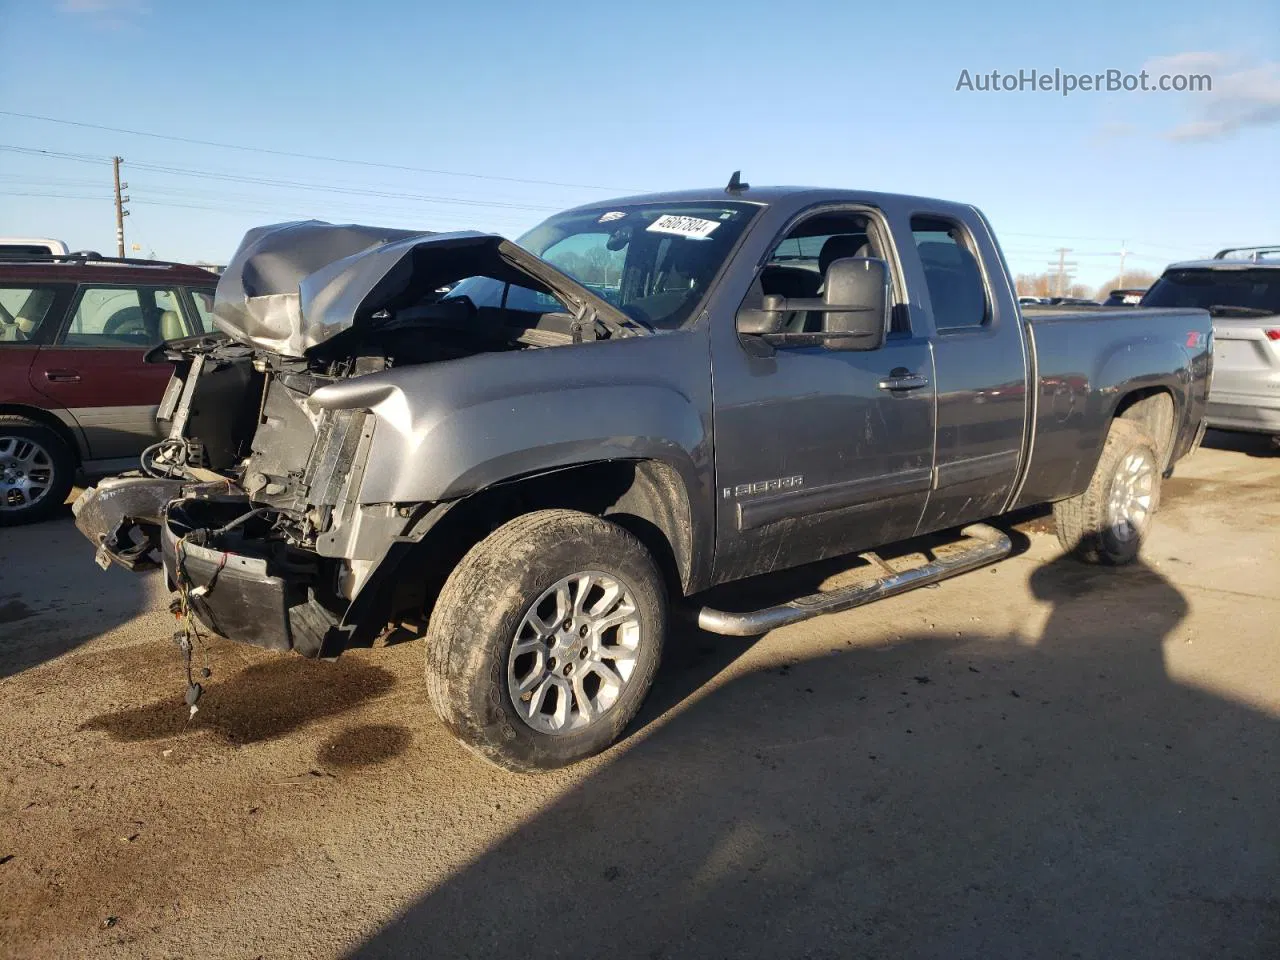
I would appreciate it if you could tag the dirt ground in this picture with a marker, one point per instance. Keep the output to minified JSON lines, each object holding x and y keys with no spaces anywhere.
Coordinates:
{"x":1038,"y":759}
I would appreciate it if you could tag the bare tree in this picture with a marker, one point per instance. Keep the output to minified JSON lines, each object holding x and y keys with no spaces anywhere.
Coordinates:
{"x":1133,"y":280}
{"x":1080,"y":291}
{"x":1036,"y":284}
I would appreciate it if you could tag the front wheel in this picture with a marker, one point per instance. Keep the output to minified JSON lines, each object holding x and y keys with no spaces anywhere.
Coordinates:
{"x":1108,"y":523}
{"x":545,"y":639}
{"x":36,"y":471}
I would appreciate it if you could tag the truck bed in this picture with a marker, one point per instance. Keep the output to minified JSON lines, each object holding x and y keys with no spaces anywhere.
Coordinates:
{"x":1077,"y":355}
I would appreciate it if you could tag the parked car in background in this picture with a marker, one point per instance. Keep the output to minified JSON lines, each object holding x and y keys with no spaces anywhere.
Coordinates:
{"x":21,"y":248}
{"x":1124,"y":298}
{"x":75,"y":393}
{"x":532,"y":461}
{"x":1240,"y":287}
{"x":1032,"y":301}
{"x":1071,"y":302}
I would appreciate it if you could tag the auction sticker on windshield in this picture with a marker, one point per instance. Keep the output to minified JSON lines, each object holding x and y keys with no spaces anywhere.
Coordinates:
{"x":695,"y":228}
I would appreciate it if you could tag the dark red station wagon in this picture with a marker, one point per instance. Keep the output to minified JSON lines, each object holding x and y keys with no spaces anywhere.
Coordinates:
{"x":75,"y":394}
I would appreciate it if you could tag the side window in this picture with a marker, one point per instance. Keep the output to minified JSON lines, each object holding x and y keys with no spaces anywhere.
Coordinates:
{"x":956,"y":291}
{"x":798,"y":265}
{"x":23,"y":312}
{"x":124,"y":317}
{"x":203,"y":299}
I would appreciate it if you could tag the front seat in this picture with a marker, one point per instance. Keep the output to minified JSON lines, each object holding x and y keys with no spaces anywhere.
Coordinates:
{"x":838,"y":247}
{"x":171,"y":327}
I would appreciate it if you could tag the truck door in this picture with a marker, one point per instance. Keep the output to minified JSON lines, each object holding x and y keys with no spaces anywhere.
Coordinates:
{"x":980,"y":370}
{"x":94,"y":368}
{"x":818,"y":452}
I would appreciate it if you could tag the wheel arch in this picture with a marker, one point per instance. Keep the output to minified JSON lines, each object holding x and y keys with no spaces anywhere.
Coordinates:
{"x":43,"y":417}
{"x":1155,"y":409}
{"x":647,"y":497}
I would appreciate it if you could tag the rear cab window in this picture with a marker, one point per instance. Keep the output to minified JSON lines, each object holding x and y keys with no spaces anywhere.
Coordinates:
{"x":957,"y":293}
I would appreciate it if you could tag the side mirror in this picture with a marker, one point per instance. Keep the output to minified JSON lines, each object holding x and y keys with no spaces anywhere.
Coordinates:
{"x":765,"y":319}
{"x":856,"y":304}
{"x":855,"y":307}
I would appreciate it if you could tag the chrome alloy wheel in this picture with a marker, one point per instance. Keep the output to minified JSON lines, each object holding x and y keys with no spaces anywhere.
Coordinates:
{"x":574,"y":653}
{"x":1132,"y":496}
{"x":26,"y":473}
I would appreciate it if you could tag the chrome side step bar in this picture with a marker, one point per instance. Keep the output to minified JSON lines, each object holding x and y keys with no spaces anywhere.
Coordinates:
{"x":988,"y":545}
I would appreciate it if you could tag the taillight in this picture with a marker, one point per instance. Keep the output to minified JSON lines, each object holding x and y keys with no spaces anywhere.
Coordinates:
{"x":1273,"y":334}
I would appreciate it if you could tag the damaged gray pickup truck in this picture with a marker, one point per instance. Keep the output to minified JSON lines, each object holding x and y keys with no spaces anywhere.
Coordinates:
{"x":532,"y":447}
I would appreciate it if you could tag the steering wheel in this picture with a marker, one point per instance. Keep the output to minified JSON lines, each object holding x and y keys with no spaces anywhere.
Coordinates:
{"x":126,"y":323}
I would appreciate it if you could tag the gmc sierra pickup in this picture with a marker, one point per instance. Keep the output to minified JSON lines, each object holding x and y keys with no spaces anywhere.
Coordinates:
{"x":531,"y":447}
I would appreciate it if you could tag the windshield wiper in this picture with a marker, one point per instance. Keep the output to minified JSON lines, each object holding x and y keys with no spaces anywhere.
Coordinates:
{"x":1221,"y":309}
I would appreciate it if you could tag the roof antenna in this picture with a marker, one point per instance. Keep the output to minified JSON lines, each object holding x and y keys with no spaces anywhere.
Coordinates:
{"x":735,"y":183}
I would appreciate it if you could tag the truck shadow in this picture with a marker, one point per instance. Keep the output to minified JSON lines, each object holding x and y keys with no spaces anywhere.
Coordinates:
{"x":52,"y":596}
{"x":1043,"y":796}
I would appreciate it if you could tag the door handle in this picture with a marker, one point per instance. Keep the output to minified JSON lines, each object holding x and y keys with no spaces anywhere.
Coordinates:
{"x":62,"y":376}
{"x":904,"y":381}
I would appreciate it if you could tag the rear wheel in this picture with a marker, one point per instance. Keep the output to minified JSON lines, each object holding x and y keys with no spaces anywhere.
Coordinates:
{"x":36,"y":471}
{"x":1108,"y":523}
{"x":545,"y":639}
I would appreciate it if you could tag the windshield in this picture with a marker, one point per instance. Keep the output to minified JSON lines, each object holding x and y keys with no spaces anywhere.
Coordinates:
{"x":1255,"y":291}
{"x":654,"y":262}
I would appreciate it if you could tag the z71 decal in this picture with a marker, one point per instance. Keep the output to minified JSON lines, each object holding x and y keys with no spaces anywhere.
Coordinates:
{"x":763,"y":486}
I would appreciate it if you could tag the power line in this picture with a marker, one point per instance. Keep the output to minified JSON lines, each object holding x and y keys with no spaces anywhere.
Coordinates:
{"x":1063,"y":236}
{"x":264,"y":208}
{"x":21,"y":178}
{"x":308,"y":156}
{"x":286,"y":183}
{"x":51,"y":196}
{"x":334,"y":188}
{"x":55,"y":154}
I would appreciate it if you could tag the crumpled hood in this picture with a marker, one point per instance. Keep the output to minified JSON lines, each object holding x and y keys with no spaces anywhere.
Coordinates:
{"x":292,"y":286}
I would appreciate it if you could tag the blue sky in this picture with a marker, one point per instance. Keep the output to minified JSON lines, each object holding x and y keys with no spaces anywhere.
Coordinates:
{"x":551,"y":104}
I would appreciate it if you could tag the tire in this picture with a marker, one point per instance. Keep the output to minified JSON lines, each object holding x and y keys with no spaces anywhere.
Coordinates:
{"x":489,"y":635}
{"x":1093,"y":527}
{"x":31,"y":451}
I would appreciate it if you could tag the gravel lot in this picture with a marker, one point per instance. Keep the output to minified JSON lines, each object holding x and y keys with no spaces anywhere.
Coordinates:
{"x":1035,"y":760}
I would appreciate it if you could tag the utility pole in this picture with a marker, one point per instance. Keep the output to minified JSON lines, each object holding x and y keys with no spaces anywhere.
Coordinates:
{"x":121,"y":212}
{"x":1062,"y":265}
{"x":1124,"y":252}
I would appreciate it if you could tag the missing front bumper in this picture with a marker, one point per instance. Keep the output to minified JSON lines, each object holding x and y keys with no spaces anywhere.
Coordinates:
{"x":244,"y":587}
{"x":236,"y":582}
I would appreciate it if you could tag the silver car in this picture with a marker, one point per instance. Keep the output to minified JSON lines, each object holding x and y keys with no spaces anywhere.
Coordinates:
{"x":1240,"y":288}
